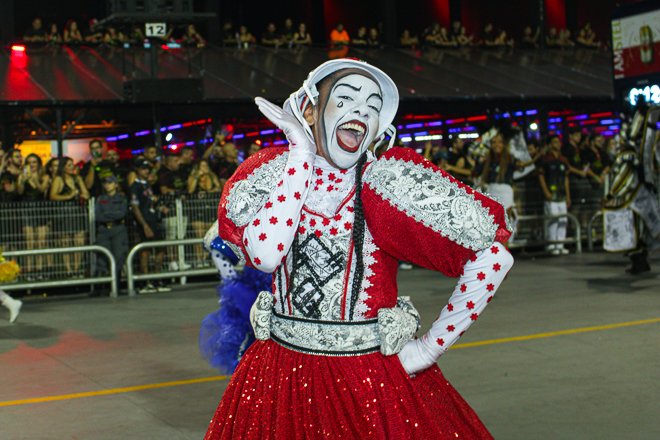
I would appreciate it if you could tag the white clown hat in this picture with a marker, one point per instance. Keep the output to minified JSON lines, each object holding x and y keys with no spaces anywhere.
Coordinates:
{"x":296,"y":103}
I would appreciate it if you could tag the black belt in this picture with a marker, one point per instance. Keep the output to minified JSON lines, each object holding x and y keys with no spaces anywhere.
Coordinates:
{"x":111,"y":224}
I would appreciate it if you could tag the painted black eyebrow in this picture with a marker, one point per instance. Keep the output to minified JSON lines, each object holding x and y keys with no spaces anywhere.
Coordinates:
{"x":350,"y":86}
{"x":376,"y":95}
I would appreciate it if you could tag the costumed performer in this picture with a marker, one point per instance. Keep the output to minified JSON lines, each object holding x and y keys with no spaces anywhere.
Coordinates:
{"x":631,"y":209}
{"x":335,"y":355}
{"x":227,"y":333}
{"x":8,"y":272}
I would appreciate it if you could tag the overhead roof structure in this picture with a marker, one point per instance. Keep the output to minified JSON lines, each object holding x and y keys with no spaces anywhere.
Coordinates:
{"x":466,"y":78}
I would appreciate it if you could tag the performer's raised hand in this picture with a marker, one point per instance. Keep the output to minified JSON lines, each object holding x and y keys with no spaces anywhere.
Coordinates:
{"x":289,"y":125}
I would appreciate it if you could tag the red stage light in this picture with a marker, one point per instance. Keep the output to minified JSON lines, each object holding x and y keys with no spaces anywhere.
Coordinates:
{"x":18,"y":48}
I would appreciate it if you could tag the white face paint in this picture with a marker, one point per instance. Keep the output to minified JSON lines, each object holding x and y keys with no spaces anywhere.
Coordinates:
{"x":350,"y":119}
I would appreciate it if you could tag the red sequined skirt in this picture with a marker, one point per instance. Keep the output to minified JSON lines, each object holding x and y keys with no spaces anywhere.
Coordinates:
{"x":277,"y":393}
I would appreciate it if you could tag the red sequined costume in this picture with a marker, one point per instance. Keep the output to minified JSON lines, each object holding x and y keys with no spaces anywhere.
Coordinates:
{"x":292,"y":213}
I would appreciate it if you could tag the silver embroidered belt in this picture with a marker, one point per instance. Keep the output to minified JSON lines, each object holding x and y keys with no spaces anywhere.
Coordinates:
{"x":388,"y":333}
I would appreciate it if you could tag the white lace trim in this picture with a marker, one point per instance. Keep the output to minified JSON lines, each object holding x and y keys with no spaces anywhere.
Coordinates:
{"x":368,"y":259}
{"x":433,"y":200}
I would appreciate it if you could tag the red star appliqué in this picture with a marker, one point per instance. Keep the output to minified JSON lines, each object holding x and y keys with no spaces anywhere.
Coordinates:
{"x":347,"y":226}
{"x":273,"y":220}
{"x":333,"y":231}
{"x":330,"y":188}
{"x":495,"y":249}
{"x":326,"y":222}
{"x":316,"y":188}
{"x":473,"y":258}
{"x":269,"y":205}
{"x":306,"y":166}
{"x":312,"y":222}
{"x":302,"y":218}
{"x":319,"y":172}
{"x":301,"y":229}
{"x":337,"y":217}
{"x":497,"y":267}
{"x":350,"y":209}
{"x":463,"y":287}
{"x":338,"y":181}
{"x":342,"y":171}
{"x":481,"y":276}
{"x":450,"y":307}
{"x":331,"y":176}
{"x":490,"y":287}
{"x":474,"y":316}
{"x":256,"y":222}
{"x":281,"y":198}
{"x":489,"y":298}
{"x":470,"y":305}
{"x":289,"y":222}
{"x":297,"y":195}
{"x":440,"y":341}
{"x":319,"y":181}
{"x":318,"y":233}
{"x":257,"y":260}
{"x":451,"y":328}
{"x":280,"y":247}
{"x":292,"y":171}
{"x":262,"y":237}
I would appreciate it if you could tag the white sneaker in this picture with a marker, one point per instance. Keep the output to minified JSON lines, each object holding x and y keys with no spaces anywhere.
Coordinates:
{"x":564,"y":251}
{"x":185,"y":266}
{"x":148,"y":288}
{"x":555,"y":251}
{"x":174,"y":266}
{"x":14,"y":307}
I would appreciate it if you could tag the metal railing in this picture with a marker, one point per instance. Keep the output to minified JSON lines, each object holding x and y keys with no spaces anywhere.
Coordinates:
{"x":112,"y":278}
{"x":578,"y":232}
{"x":590,"y":230}
{"x":131,"y":277}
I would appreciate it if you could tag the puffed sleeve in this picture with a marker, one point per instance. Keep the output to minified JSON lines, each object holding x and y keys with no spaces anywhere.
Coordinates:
{"x":260,"y":206}
{"x":417,"y":212}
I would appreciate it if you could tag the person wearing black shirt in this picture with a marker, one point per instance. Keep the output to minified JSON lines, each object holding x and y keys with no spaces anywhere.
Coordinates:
{"x":186,"y":160}
{"x":97,"y":169}
{"x":553,"y":177}
{"x":118,"y":170}
{"x":145,"y":210}
{"x":487,"y":36}
{"x":288,"y":31}
{"x":173,"y":185}
{"x":111,"y":233}
{"x":270,"y":37}
{"x":228,"y":34}
{"x":599,"y":161}
{"x":10,"y":171}
{"x":36,"y":33}
{"x":226,"y":167}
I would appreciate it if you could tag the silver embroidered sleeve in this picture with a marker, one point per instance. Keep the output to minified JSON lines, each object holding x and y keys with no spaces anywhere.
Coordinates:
{"x":397,"y":326}
{"x":262,"y":312}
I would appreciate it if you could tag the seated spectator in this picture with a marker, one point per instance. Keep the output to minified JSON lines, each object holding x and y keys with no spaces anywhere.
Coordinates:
{"x":110,"y":213}
{"x":287,"y":32}
{"x":72,"y":34}
{"x":192,"y":38}
{"x":564,"y":39}
{"x":145,"y":208}
{"x":113,"y":37}
{"x":271,"y":37}
{"x":463,"y":39}
{"x":432,"y":34}
{"x":32,"y":185}
{"x":584,"y":41}
{"x":70,"y":189}
{"x":302,"y":38}
{"x":229,"y":36}
{"x":118,"y":170}
{"x":502,"y":40}
{"x":551,"y":38}
{"x":97,"y":169}
{"x":137,"y":36}
{"x":455,"y":29}
{"x":529,"y":40}
{"x":36,"y":33}
{"x":202,"y":185}
{"x":339,"y":36}
{"x":360,"y":38}
{"x":373,"y":39}
{"x":444,"y":39}
{"x":245,"y":38}
{"x":590,"y":34}
{"x":487,"y":36}
{"x":94,"y":36}
{"x":407,"y":40}
{"x":553,"y":178}
{"x":54,"y":36}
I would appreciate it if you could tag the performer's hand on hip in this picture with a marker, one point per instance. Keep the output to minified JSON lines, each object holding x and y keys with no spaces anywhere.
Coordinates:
{"x":415,"y":357}
{"x":289,"y":125}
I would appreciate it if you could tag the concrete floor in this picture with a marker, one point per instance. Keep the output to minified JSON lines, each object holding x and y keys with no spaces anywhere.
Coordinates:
{"x":602,"y":384}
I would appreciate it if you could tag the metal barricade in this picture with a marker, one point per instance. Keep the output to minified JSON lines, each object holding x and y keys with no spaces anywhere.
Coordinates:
{"x":131,"y":277}
{"x":577,"y":239}
{"x":112,"y":278}
{"x":590,"y":230}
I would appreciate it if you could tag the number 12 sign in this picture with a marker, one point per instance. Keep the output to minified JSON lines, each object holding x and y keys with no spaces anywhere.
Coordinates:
{"x":155,"y":29}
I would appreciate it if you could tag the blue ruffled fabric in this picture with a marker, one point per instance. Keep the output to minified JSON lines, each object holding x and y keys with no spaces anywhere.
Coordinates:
{"x":226,"y":334}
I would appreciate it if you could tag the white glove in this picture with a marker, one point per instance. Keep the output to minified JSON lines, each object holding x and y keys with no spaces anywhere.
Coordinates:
{"x":482,"y":275}
{"x":289,"y":125}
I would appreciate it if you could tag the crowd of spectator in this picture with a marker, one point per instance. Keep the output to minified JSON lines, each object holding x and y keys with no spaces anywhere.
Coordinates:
{"x":142,"y":193}
{"x":297,"y":36}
